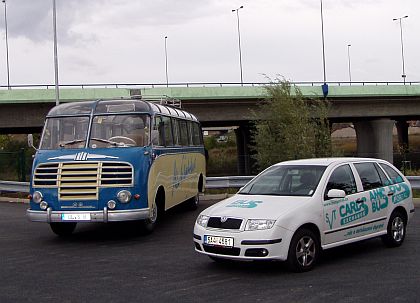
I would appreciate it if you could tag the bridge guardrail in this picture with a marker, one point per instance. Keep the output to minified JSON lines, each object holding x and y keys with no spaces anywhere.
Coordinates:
{"x":211,"y":183}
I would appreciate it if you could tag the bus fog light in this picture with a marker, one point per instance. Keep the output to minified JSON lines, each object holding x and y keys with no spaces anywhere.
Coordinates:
{"x":37,"y":197}
{"x":111,"y":204}
{"x":124,"y":196}
{"x":43,"y":205}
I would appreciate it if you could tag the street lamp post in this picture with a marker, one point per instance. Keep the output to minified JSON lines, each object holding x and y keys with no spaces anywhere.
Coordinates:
{"x":348,"y":56}
{"x":166,"y":62}
{"x":57,"y":91}
{"x":239,"y":42}
{"x":7,"y":45}
{"x":402,"y":46}
{"x":325,"y":85}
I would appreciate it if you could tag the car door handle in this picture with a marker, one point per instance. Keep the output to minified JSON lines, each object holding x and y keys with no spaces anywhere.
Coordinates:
{"x":360,"y":200}
{"x":391,"y":193}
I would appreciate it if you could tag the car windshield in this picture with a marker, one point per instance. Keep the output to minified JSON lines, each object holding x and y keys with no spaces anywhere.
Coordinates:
{"x":286,"y":180}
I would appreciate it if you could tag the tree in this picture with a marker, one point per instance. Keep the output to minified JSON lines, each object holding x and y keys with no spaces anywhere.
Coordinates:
{"x":288,"y":126}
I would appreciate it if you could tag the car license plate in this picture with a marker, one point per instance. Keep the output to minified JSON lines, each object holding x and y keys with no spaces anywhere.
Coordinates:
{"x":76,"y":217}
{"x":218,"y":241}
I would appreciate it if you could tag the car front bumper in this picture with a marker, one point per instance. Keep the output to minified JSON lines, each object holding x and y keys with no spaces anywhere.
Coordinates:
{"x":104,"y":215}
{"x":270,"y":244}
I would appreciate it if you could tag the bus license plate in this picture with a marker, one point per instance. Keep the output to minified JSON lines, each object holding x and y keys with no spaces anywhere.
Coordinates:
{"x":76,"y":217}
{"x":218,"y":241}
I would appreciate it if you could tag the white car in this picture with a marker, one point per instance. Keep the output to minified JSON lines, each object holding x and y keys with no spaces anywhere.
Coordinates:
{"x":294,"y":209}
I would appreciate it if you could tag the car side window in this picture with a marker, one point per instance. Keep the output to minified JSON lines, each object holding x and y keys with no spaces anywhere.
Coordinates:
{"x":369,"y":175}
{"x":342,"y":178}
{"x":392,"y":173}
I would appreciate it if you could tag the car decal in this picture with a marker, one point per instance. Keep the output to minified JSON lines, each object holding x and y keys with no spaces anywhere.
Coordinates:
{"x":244,"y":203}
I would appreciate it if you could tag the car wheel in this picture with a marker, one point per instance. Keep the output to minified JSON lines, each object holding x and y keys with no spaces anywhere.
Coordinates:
{"x":148,"y":225}
{"x":303,"y":251}
{"x":396,"y":230}
{"x":194,"y":202}
{"x":63,"y":229}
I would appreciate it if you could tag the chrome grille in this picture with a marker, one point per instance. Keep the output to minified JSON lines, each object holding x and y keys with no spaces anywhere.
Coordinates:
{"x":82,"y":180}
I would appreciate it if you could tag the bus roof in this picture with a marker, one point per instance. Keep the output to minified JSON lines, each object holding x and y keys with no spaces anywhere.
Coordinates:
{"x":118,"y":106}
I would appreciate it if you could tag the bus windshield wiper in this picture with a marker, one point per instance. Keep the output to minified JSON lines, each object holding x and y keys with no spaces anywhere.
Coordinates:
{"x":108,"y":141}
{"x":71,"y":142}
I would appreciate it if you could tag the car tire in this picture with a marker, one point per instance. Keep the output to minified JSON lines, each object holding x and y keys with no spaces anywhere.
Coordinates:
{"x":304,"y":250}
{"x":63,"y":229}
{"x":396,"y":230}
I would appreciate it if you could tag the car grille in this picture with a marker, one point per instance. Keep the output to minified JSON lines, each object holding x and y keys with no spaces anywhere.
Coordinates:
{"x":82,"y":181}
{"x":228,"y":251}
{"x":230,"y":223}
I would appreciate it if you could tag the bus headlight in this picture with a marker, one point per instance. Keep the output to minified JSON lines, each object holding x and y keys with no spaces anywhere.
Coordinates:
{"x":124,"y":196}
{"x":37,"y":197}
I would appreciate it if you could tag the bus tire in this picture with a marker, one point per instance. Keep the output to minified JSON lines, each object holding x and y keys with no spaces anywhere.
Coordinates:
{"x":63,"y":229}
{"x":149,"y":224}
{"x":194,"y":202}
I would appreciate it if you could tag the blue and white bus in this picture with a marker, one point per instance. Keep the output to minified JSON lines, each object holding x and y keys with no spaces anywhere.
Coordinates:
{"x":115,"y":160}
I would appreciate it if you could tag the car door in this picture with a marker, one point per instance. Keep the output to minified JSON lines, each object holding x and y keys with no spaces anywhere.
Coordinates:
{"x":342,"y":216}
{"x":374,"y":183}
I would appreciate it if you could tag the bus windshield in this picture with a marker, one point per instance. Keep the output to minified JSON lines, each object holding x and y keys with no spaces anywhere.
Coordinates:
{"x":120,"y":130}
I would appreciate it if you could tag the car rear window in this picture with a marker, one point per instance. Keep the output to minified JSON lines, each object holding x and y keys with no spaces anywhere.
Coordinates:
{"x":394,"y":176}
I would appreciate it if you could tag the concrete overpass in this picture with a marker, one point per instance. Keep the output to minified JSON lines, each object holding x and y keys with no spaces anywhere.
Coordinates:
{"x":373,"y":109}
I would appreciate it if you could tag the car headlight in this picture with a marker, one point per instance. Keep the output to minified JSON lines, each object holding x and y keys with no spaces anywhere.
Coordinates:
{"x":202,"y":220}
{"x":259,"y":224}
{"x":124,"y":196}
{"x":37,"y":197}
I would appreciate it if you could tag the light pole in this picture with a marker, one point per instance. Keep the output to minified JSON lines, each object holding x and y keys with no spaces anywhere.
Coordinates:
{"x":348,"y":56}
{"x":239,"y":42}
{"x":57,"y":91}
{"x":7,"y":45}
{"x":325,"y":85}
{"x":166,"y":62}
{"x":402,"y":46}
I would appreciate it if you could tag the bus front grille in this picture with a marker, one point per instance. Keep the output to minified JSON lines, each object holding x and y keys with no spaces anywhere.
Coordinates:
{"x":82,"y":180}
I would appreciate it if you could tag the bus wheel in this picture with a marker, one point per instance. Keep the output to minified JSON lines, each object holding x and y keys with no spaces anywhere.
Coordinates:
{"x":150,"y":223}
{"x":63,"y":229}
{"x":194,"y":202}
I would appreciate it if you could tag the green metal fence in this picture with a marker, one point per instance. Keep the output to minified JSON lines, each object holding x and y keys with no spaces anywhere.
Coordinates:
{"x":13,"y":166}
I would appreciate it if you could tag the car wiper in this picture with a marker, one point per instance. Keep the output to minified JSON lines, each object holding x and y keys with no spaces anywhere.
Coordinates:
{"x":71,"y":142}
{"x":108,"y":141}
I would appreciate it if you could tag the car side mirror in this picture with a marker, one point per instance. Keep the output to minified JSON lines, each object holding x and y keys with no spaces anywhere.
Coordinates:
{"x":336,"y":193}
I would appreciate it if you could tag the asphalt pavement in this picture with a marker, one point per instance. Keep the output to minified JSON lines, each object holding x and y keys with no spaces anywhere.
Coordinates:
{"x":115,"y":263}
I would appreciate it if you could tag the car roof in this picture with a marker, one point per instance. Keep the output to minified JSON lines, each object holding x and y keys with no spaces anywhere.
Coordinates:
{"x":328,"y":161}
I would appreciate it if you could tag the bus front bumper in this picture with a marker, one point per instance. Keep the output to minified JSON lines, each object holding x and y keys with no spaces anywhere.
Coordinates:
{"x":105,"y":215}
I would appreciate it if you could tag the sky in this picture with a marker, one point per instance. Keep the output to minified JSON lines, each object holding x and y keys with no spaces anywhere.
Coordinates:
{"x":123,"y":41}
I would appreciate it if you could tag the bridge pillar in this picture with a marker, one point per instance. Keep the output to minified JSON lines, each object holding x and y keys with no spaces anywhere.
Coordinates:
{"x":242,"y":149}
{"x":374,"y":138}
{"x":402,"y":131}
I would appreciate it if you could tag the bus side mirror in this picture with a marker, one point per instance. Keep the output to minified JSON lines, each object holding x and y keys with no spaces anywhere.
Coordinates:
{"x":31,"y":141}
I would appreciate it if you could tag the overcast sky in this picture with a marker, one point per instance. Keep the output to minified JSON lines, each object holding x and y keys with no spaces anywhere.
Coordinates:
{"x":122,"y":41}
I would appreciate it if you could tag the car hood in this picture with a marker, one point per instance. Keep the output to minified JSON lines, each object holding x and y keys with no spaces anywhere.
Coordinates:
{"x":256,"y":206}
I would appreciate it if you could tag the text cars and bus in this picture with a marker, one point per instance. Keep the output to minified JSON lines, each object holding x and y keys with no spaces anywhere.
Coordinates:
{"x":115,"y":160}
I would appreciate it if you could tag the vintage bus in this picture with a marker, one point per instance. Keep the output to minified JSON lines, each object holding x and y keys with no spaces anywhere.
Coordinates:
{"x":115,"y":160}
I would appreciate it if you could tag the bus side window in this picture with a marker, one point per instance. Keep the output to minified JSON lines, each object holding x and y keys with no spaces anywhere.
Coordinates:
{"x":167,"y":129}
{"x":158,"y":132}
{"x":183,"y":132}
{"x":190,"y":133}
{"x":196,"y":134}
{"x":176,"y":132}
